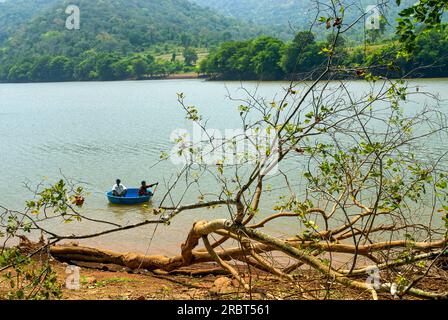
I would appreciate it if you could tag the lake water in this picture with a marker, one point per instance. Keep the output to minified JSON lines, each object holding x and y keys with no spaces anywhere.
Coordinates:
{"x":98,"y":131}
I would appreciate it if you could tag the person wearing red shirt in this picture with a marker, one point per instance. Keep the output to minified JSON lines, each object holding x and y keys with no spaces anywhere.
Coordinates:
{"x":144,"y":189}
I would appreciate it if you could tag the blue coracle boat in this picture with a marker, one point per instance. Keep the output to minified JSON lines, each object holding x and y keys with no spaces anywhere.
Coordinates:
{"x":132,"y":197}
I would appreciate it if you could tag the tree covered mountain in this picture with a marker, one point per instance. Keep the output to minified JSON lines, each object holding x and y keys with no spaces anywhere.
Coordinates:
{"x":295,"y":13}
{"x":117,"y":38}
{"x":34,"y":32}
{"x":124,"y":25}
{"x":267,"y":12}
{"x":13,"y":13}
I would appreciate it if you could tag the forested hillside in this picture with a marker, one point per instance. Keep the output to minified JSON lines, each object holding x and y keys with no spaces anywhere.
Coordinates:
{"x":294,"y":13}
{"x":268,"y":12}
{"x":13,"y":13}
{"x":122,"y":39}
{"x":35,"y":32}
{"x":124,"y":25}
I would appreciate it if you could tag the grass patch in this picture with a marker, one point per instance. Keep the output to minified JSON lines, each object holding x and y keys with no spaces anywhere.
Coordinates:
{"x":106,"y":282}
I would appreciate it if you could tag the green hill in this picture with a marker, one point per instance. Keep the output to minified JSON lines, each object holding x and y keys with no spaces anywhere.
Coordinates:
{"x":297,"y":14}
{"x":119,"y":39}
{"x":14,"y":13}
{"x":36,"y":28}
{"x":267,"y":12}
{"x":123,"y":25}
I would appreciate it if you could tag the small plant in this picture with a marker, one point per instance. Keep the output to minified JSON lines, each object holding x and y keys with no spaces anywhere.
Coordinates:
{"x":27,"y":280}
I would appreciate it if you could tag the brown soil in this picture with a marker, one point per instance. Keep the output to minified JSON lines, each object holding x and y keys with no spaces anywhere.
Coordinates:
{"x":108,"y":282}
{"x":128,"y":285}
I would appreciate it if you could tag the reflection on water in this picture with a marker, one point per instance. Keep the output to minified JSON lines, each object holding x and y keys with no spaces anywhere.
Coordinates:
{"x":144,"y":210}
{"x":97,"y":132}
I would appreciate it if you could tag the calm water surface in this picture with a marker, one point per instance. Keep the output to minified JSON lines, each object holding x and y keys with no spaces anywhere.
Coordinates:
{"x":99,"y":131}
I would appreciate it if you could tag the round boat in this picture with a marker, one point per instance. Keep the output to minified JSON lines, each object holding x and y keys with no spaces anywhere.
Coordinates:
{"x":132,"y":197}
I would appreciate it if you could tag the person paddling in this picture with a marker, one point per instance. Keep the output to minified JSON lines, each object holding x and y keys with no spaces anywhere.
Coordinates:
{"x":144,"y":189}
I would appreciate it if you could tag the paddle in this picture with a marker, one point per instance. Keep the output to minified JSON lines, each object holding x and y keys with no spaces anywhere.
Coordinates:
{"x":155,"y":189}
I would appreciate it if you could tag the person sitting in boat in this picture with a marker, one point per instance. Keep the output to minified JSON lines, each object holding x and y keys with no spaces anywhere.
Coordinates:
{"x":144,"y":189}
{"x":119,"y":190}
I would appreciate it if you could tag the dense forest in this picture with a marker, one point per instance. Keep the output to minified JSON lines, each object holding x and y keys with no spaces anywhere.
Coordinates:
{"x":151,"y":39}
{"x":267,"y":58}
{"x":42,"y":49}
{"x":265,"y":12}
{"x":292,"y":15}
{"x":15,"y":13}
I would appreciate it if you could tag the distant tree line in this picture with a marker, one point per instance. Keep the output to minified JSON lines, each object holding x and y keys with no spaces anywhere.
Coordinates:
{"x":92,"y":65}
{"x":262,"y":58}
{"x":268,"y":58}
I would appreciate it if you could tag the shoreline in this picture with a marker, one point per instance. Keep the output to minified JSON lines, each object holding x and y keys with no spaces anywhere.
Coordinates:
{"x":109,"y":282}
{"x":196,"y":76}
{"x":202,"y":281}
